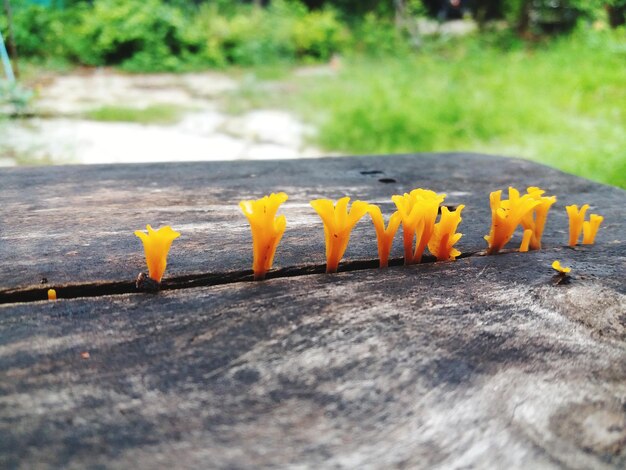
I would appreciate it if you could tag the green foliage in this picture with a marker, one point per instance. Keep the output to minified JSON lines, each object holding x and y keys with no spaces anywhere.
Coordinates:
{"x":155,"y":114}
{"x":13,"y":97}
{"x":141,"y":35}
{"x":153,"y":35}
{"x":562,"y":103}
{"x":39,"y":31}
{"x":378,"y":36}
{"x":285,"y":31}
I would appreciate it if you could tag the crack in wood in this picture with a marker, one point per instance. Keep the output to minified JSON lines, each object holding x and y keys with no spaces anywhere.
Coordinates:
{"x":99,"y":289}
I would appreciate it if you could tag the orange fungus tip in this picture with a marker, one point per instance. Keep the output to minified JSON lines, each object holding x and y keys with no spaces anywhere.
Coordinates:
{"x":338,"y":223}
{"x":267,"y":230}
{"x":418,"y":212}
{"x":506,"y":215}
{"x":444,"y":237}
{"x":52,"y":294}
{"x":384,"y":236}
{"x":156,"y":245}
{"x":556,"y":265}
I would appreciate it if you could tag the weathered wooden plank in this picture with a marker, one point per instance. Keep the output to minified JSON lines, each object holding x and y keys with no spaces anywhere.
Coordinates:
{"x":75,"y":224}
{"x":481,"y":363}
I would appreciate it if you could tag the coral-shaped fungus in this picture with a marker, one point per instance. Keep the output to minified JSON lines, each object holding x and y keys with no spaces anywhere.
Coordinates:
{"x":590,"y":228}
{"x":535,"y":220}
{"x":441,"y":244}
{"x":156,"y":245}
{"x":418,"y":210}
{"x":384,"y":236}
{"x":556,"y":265}
{"x":338,"y":223}
{"x":577,"y":224}
{"x":267,"y":230}
{"x":506,"y":216}
{"x":576,"y":219}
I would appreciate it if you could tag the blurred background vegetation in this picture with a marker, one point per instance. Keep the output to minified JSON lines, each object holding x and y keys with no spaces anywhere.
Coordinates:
{"x":542,"y":79}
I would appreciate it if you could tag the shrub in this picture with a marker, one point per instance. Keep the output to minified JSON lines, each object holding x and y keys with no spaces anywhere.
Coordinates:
{"x":136,"y":34}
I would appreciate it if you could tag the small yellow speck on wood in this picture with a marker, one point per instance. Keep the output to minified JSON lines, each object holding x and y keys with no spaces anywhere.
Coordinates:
{"x":156,"y":245}
{"x":338,"y":223}
{"x":267,"y":230}
{"x":418,"y":210}
{"x":52,"y":294}
{"x":556,"y":265}
{"x":384,"y":236}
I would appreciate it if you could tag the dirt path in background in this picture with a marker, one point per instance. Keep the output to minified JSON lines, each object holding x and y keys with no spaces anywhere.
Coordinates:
{"x":204,"y":131}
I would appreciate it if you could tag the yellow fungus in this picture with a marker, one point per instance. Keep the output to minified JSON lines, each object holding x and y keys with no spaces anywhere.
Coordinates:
{"x":576,"y":219}
{"x":52,"y":294}
{"x":528,"y":233}
{"x":418,"y":210}
{"x":156,"y":245}
{"x":506,"y":216}
{"x":267,"y":230}
{"x":338,"y":223}
{"x":441,"y":244}
{"x":556,"y":265}
{"x":536,"y":219}
{"x":384,"y":236}
{"x":590,"y":228}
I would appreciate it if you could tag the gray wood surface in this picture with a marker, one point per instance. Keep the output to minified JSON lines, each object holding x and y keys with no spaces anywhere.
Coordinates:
{"x":481,"y":363}
{"x":75,"y":224}
{"x":486,"y":362}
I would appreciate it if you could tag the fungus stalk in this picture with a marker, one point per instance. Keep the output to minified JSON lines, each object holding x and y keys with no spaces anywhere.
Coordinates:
{"x":590,"y":228}
{"x":267,"y":230}
{"x":384,"y":236}
{"x":338,"y":223}
{"x":418,"y":210}
{"x":506,"y":216}
{"x":156,"y":244}
{"x":441,"y":245}
{"x":576,"y":220}
{"x":536,"y":219}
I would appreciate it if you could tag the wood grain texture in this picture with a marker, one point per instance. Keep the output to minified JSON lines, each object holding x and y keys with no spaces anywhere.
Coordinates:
{"x":481,"y":363}
{"x":75,"y":224}
{"x":487,"y":362}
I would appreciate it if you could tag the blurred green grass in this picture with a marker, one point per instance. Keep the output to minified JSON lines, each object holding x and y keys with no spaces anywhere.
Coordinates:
{"x":154,"y":114}
{"x":562,"y":103}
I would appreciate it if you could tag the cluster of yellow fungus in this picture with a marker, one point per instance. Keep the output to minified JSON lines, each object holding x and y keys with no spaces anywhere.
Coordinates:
{"x":338,"y":223}
{"x":577,"y":224}
{"x":418,"y":210}
{"x":441,"y":244}
{"x":534,"y":221}
{"x":506,"y":215}
{"x":267,"y":230}
{"x":156,"y":245}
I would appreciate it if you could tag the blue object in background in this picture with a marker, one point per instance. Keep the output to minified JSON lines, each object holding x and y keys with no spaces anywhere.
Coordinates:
{"x":4,"y":56}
